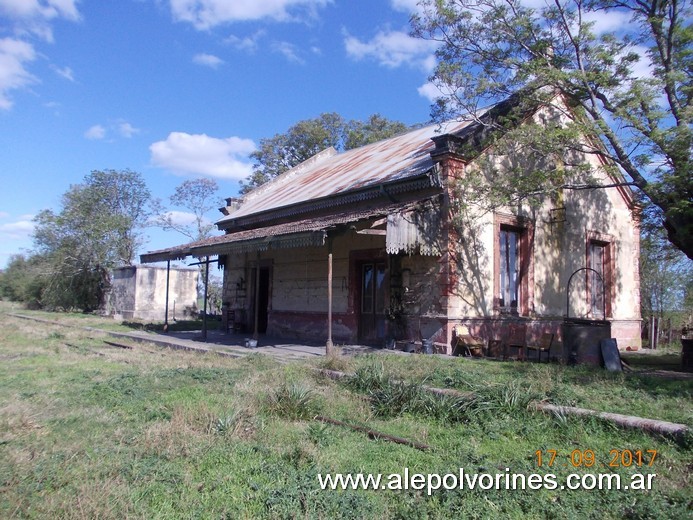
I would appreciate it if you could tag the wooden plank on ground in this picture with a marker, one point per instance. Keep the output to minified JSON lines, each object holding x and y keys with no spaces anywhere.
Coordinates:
{"x":612,"y":359}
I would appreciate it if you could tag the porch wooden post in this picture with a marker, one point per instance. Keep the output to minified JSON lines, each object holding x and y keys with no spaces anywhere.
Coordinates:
{"x":256,"y":334}
{"x":204,"y":316}
{"x":329,"y":346}
{"x":168,"y":273}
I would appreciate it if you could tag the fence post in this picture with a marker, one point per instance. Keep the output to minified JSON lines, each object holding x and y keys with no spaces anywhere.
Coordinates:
{"x":653,"y":333}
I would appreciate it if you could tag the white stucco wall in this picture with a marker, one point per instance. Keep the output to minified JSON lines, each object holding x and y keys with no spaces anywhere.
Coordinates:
{"x":139,"y":292}
{"x":560,"y":248}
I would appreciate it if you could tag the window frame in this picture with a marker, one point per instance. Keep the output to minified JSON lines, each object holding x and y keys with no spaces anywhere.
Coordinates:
{"x":510,"y":259}
{"x":606,"y":242}
{"x":525,"y":284}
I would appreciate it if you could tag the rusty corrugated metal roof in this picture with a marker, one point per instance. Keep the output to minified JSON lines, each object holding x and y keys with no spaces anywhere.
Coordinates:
{"x":397,"y":158}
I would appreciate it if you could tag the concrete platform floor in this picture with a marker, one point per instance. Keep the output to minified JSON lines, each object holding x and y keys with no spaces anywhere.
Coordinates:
{"x":225,"y":344}
{"x":281,"y":348}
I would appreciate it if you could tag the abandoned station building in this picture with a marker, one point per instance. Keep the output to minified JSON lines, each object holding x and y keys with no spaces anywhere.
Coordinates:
{"x":412,"y":252}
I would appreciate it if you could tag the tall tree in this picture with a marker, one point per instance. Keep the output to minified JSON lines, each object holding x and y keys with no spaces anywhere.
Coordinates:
{"x":306,"y":138}
{"x":196,"y":198}
{"x":23,"y":280}
{"x":666,"y":275}
{"x":640,"y":117}
{"x":97,"y":228}
{"x":374,"y":129}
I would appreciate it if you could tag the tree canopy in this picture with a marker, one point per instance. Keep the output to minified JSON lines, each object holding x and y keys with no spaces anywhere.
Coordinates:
{"x":629,"y":85}
{"x":196,"y":197}
{"x":666,"y":281}
{"x":96,"y":229}
{"x":311,"y":136}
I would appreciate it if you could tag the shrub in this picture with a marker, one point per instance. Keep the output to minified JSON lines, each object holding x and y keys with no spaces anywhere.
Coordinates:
{"x":292,"y":401}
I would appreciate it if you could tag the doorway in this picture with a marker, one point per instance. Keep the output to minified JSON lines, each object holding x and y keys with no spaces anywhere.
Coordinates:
{"x":261,"y":298}
{"x":372,"y":298}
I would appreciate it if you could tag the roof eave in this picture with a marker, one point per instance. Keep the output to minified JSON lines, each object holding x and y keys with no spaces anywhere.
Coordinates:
{"x":427,"y":179}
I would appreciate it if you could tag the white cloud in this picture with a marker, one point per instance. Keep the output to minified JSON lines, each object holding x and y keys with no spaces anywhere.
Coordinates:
{"x":430,"y":91}
{"x":536,"y":4}
{"x":289,"y":51}
{"x":181,"y":218}
{"x":95,"y":133}
{"x":393,"y":49}
{"x":608,"y":21}
{"x":249,"y":43}
{"x":205,"y":14}
{"x":26,"y":18}
{"x":120,"y":127}
{"x":65,"y":72}
{"x":408,"y":6}
{"x":47,"y":9}
{"x":643,"y":68}
{"x":34,"y":16}
{"x":18,"y":230}
{"x":14,"y":55}
{"x":208,"y":60}
{"x":126,"y":130}
{"x":200,"y":154}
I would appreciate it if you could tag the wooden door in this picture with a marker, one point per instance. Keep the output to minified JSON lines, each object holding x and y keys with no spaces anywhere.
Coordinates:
{"x":373,"y":277}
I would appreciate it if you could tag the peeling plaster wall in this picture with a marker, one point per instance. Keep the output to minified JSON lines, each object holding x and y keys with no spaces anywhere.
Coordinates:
{"x":560,"y":248}
{"x":139,"y":292}
{"x":298,"y":286}
{"x":459,"y":286}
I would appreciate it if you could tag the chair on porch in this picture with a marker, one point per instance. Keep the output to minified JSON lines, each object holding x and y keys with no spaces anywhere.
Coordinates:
{"x":515,"y":338}
{"x":465,"y":344}
{"x":544,"y":345}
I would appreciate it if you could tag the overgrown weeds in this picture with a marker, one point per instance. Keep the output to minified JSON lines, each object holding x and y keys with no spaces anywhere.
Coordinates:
{"x":390,"y":397}
{"x":319,"y":434}
{"x":292,"y":401}
{"x":229,"y":424}
{"x":153,"y":433}
{"x":369,"y":378}
{"x":334,"y":361}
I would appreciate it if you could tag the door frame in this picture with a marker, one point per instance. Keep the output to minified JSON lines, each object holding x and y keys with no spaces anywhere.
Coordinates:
{"x":356,"y":261}
{"x":264,"y":313}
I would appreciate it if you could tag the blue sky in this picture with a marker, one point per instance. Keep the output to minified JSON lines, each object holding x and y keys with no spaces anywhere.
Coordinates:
{"x":178,"y":89}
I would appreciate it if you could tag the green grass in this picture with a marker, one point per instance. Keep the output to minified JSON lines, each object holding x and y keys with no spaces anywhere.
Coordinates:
{"x":108,"y":323}
{"x":583,"y":386}
{"x":88,"y":431}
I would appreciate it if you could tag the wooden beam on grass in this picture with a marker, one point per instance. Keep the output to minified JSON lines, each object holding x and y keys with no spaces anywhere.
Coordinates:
{"x":628,"y":421}
{"x":119,"y":345}
{"x":675,"y":430}
{"x":374,"y":434}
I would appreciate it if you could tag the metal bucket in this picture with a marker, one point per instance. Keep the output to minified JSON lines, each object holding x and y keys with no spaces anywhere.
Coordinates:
{"x":581,"y":340}
{"x":582,"y":337}
{"x":427,"y":347}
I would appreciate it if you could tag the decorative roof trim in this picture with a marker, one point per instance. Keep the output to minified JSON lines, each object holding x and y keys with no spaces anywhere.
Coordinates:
{"x":309,"y":232}
{"x":288,"y":241}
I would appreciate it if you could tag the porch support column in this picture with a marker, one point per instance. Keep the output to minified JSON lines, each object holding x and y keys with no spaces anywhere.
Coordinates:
{"x":204,"y":315}
{"x":256,"y":334}
{"x":168,"y":274}
{"x":329,"y":346}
